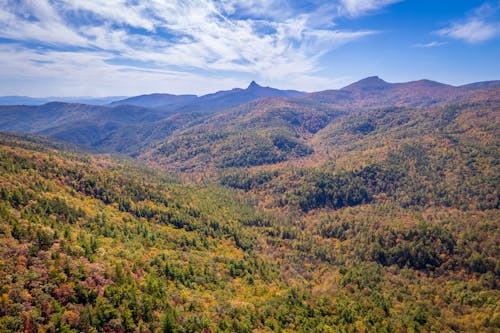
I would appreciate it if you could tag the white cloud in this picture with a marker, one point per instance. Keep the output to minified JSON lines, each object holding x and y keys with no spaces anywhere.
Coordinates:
{"x":270,"y":9}
{"x":118,"y":11}
{"x":481,"y":25}
{"x":266,"y":39}
{"x":89,"y":74}
{"x":430,"y":44}
{"x":473,"y":31}
{"x":36,"y":20}
{"x":361,"y":7}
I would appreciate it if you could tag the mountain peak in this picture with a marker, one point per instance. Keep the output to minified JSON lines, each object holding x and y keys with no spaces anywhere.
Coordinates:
{"x":369,"y":83}
{"x":253,"y":84}
{"x":372,"y":79}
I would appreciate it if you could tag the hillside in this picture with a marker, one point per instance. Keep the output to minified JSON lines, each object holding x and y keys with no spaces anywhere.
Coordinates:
{"x":443,"y":155}
{"x":374,"y":92}
{"x":277,"y":124}
{"x":91,"y":243}
{"x":75,"y":123}
{"x":128,"y":125}
{"x":274,"y":130}
{"x":266,"y":131}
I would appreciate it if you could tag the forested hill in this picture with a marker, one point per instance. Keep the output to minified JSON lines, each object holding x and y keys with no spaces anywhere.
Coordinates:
{"x":252,"y":126}
{"x":92,"y":244}
{"x":445,"y":156}
{"x":268,"y":132}
{"x":374,"y":208}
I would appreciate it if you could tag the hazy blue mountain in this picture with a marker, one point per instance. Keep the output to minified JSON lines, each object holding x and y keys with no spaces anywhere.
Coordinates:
{"x":373,"y":92}
{"x":369,"y":83}
{"x":156,"y":100}
{"x":24,"y":100}
{"x":81,"y":124}
{"x":228,"y":98}
{"x":216,"y":101}
{"x":224,"y":115}
{"x":482,"y":84}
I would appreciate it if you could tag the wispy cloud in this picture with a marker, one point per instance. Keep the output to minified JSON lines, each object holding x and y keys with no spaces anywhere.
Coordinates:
{"x":430,"y":44}
{"x":41,"y":73}
{"x":361,"y":7}
{"x":269,"y":39}
{"x":36,"y":21}
{"x":481,"y":25}
{"x":473,"y":31}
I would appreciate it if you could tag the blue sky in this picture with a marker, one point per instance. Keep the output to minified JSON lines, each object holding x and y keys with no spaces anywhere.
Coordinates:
{"x":131,"y":47}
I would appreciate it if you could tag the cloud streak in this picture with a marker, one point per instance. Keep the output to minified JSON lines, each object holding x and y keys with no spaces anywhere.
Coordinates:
{"x":268,"y":39}
{"x":481,"y":25}
{"x":472,"y":31}
{"x":89,"y":73}
{"x":430,"y":44}
{"x":361,"y":7}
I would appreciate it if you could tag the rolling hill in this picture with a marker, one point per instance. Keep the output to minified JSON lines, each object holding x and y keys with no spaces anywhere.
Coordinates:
{"x":140,"y":129}
{"x":76,"y":123}
{"x":275,"y":130}
{"x":439,"y":156}
{"x":370,"y":208}
{"x":374,"y":92}
{"x":127,"y":125}
{"x":92,"y":243}
{"x":266,"y":131}
{"x":156,"y":100}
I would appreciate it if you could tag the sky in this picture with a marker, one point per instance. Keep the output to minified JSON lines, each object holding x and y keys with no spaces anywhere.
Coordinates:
{"x":131,"y":47}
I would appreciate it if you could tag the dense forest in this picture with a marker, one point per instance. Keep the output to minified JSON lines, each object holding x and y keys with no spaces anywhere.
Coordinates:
{"x":98,"y":244}
{"x":374,"y":208}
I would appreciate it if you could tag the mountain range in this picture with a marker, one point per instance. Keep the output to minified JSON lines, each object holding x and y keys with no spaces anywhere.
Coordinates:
{"x":24,"y":100}
{"x":239,"y":127}
{"x":371,"y":208}
{"x":216,"y":101}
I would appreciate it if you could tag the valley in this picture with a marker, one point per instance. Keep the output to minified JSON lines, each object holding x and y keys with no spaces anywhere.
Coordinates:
{"x":371,"y":208}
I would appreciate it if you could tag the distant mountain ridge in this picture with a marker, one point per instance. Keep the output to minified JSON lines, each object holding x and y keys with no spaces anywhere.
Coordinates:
{"x":274,"y":130}
{"x":369,"y":83}
{"x":156,"y":100}
{"x":214,"y":101}
{"x":373,"y":92}
{"x":24,"y":100}
{"x":226,"y":98}
{"x":482,"y":84}
{"x":239,"y":127}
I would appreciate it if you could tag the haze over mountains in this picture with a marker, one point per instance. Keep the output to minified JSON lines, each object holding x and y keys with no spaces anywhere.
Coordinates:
{"x":24,"y":100}
{"x":278,"y":122}
{"x":216,"y":101}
